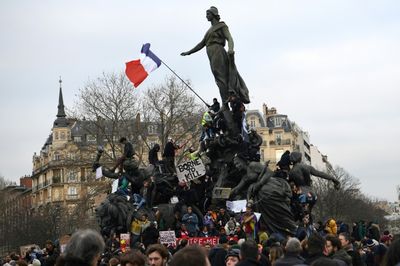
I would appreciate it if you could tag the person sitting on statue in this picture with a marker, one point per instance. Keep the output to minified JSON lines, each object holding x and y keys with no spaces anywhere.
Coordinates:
{"x":238,"y":109}
{"x":207,"y":126}
{"x":215,"y":106}
{"x":153,"y":155}
{"x":128,"y":153}
{"x":169,"y":156}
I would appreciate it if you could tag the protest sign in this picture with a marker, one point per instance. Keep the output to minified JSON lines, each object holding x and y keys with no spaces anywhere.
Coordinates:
{"x":114,"y":186}
{"x":212,"y":241}
{"x":190,"y":170}
{"x":99,"y":172}
{"x":221,"y":192}
{"x":236,"y":206}
{"x":167,"y":237}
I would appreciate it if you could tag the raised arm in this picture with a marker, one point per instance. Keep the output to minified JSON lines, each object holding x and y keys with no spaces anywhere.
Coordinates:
{"x":324,"y":175}
{"x":198,"y":47}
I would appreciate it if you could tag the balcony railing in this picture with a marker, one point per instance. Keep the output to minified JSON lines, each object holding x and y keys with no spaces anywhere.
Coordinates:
{"x":72,"y":196}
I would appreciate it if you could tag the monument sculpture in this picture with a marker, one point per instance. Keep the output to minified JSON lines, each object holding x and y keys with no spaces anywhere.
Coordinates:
{"x":230,"y":152}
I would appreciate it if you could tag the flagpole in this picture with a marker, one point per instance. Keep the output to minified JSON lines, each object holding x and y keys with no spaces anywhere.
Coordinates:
{"x":184,"y":83}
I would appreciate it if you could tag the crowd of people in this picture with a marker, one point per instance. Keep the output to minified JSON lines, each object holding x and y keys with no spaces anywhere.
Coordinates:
{"x":239,"y":242}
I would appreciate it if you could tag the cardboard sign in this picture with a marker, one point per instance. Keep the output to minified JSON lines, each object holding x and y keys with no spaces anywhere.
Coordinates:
{"x":190,"y":170}
{"x":221,"y":192}
{"x":114,"y":186}
{"x":236,"y":206}
{"x":124,"y":242}
{"x":99,"y":172}
{"x":167,"y":237}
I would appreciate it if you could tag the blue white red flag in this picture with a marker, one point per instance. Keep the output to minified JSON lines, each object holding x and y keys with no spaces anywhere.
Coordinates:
{"x":138,"y":70}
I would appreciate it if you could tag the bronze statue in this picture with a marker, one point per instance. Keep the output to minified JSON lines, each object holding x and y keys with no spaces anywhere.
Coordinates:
{"x":221,"y":62}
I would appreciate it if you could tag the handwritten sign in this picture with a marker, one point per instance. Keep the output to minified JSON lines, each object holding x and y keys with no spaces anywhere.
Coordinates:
{"x":236,"y":206}
{"x":221,"y":192}
{"x":190,"y":170}
{"x":167,"y":237}
{"x":212,"y":241}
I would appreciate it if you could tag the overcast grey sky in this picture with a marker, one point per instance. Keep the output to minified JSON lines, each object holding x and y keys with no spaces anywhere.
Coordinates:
{"x":332,"y":66}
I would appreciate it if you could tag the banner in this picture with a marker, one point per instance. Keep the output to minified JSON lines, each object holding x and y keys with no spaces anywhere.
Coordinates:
{"x":190,"y":170}
{"x":212,"y":241}
{"x":167,"y":237}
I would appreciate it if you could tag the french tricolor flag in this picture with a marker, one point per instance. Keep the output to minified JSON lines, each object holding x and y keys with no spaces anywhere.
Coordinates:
{"x":138,"y":70}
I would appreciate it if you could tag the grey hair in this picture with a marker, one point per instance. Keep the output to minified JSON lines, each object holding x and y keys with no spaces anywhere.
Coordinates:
{"x":293,"y":245}
{"x":84,"y":245}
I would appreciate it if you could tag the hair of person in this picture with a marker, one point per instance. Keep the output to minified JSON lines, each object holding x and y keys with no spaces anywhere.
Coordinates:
{"x":346,"y":236}
{"x":316,"y":244}
{"x":161,"y":249}
{"x":122,"y":140}
{"x":113,"y":261}
{"x":134,"y":258}
{"x":82,"y":248}
{"x":275,"y":252}
{"x":190,"y":255}
{"x":293,"y":246}
{"x":334,"y":241}
{"x":249,"y":249}
{"x":392,"y":256}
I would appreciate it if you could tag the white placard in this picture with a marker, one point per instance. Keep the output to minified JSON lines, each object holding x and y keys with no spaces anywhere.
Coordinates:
{"x":167,"y":237}
{"x":99,"y":173}
{"x":258,"y":215}
{"x":237,"y":205}
{"x":190,"y":170}
{"x":114,"y":186}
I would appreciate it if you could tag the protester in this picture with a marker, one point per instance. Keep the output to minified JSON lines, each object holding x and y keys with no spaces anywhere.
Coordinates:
{"x":153,"y":155}
{"x":292,"y":254}
{"x":83,"y":249}
{"x":169,"y":156}
{"x":232,"y":257}
{"x":349,"y":248}
{"x":191,"y":221}
{"x":157,"y":255}
{"x":133,"y":258}
{"x":249,"y":254}
{"x":335,"y":251}
{"x":191,"y":255}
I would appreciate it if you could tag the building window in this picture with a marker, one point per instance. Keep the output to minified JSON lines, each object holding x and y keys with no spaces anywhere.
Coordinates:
{"x":78,"y":139}
{"x":62,"y":135}
{"x":278,"y":138}
{"x":252,"y":123}
{"x":72,"y":191}
{"x":91,"y":138}
{"x":56,"y":135}
{"x":151,"y":129}
{"x":57,"y":156}
{"x":71,"y":176}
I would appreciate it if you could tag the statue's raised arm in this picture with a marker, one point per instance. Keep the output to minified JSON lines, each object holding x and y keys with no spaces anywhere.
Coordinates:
{"x":221,"y":62}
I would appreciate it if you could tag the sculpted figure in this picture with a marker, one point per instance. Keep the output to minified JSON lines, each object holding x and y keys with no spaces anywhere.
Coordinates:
{"x":221,"y":62}
{"x":300,"y":180}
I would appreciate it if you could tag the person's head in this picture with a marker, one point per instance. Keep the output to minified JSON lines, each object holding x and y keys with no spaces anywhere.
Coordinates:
{"x":133,"y":258}
{"x":344,"y":239}
{"x":333,"y":244}
{"x":222,"y":211}
{"x":190,"y":255}
{"x":232,"y":257}
{"x":306,"y":219}
{"x":215,"y":100}
{"x":157,"y":255}
{"x":316,"y":244}
{"x":293,"y":246}
{"x":144,"y":217}
{"x":249,"y":250}
{"x":113,"y":262}
{"x":275,"y":252}
{"x":189,"y":209}
{"x":123,"y":140}
{"x":85,"y":246}
{"x":156,"y":147}
{"x":21,"y":263}
{"x":212,"y":13}
{"x":324,"y":262}
{"x":205,"y":228}
{"x":49,"y":245}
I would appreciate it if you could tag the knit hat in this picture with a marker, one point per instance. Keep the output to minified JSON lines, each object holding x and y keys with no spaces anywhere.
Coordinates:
{"x":232,"y":253}
{"x":370,"y":243}
{"x":36,"y":262}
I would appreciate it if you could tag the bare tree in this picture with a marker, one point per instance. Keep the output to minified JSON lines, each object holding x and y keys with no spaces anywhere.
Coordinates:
{"x":348,"y":203}
{"x":174,"y":111}
{"x":110,"y":106}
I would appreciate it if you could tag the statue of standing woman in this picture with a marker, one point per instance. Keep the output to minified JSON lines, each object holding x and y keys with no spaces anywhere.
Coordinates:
{"x":222,"y":63}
